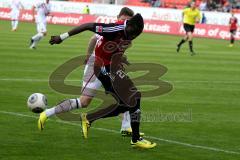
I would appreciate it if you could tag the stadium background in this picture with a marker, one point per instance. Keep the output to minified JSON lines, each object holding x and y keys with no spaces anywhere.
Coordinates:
{"x":157,"y":20}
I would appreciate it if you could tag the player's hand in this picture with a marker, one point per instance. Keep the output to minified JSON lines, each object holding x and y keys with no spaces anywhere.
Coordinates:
{"x":55,"y":40}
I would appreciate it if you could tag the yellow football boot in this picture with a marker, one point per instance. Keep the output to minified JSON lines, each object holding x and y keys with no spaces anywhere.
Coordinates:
{"x":143,"y":143}
{"x":42,"y":119}
{"x":85,"y":125}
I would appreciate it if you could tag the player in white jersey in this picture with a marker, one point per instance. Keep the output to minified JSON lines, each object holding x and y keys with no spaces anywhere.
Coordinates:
{"x":90,"y":85}
{"x":16,"y":6}
{"x":43,"y":10}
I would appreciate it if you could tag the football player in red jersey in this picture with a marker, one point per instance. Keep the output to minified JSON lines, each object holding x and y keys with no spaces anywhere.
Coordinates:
{"x":91,"y":84}
{"x":115,"y":40}
{"x":233,"y":29}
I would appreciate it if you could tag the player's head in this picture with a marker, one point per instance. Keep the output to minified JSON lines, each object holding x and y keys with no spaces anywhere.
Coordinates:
{"x":193,"y":5}
{"x":47,"y":1}
{"x":125,"y":14}
{"x":134,"y":26}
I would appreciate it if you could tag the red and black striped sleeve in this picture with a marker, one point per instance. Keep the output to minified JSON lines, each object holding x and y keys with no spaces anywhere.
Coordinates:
{"x":108,"y":30}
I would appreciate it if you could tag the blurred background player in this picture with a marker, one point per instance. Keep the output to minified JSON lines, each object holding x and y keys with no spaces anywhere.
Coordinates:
{"x":191,"y":15}
{"x":86,"y":10}
{"x":91,"y":83}
{"x":43,"y":10}
{"x":16,"y":6}
{"x":233,"y":28}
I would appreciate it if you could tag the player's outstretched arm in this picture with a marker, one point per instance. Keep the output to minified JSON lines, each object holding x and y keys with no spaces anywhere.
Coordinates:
{"x":74,"y":31}
{"x":106,"y":30}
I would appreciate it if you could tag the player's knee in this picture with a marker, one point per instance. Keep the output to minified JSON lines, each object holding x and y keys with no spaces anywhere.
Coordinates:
{"x":137,"y":95}
{"x":190,"y":36}
{"x":85,"y":101}
{"x":132,"y":101}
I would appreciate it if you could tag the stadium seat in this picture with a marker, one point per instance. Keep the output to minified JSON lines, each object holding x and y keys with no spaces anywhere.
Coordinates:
{"x":176,"y":3}
{"x":137,"y":3}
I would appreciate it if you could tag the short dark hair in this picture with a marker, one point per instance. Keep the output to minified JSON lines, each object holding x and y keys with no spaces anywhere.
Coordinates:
{"x":135,"y":25}
{"x":126,"y":11}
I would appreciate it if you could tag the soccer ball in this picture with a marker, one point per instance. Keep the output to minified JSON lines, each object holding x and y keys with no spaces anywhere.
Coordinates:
{"x":37,"y":102}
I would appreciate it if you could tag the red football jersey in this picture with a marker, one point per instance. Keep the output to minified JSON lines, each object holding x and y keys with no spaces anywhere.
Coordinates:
{"x":233,"y":23}
{"x":113,"y":41}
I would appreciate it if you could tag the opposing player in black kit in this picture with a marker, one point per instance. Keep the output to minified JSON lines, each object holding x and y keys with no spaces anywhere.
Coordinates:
{"x":116,"y":37}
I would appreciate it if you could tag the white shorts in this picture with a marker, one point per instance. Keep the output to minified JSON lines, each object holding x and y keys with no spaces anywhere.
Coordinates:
{"x":41,"y":27}
{"x":90,"y":82}
{"x":15,"y":15}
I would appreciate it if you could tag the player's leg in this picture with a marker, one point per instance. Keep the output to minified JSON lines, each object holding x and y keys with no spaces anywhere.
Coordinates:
{"x":62,"y":107}
{"x":88,"y":92}
{"x":12,"y":24}
{"x":126,"y":124}
{"x":42,"y":30}
{"x":109,"y":111}
{"x":15,"y":25}
{"x":115,"y":109}
{"x":190,"y":39}
{"x":16,"y":17}
{"x":126,"y":129}
{"x":90,"y":85}
{"x":190,"y":42}
{"x":13,"y":18}
{"x":232,"y":38}
{"x":184,"y":39}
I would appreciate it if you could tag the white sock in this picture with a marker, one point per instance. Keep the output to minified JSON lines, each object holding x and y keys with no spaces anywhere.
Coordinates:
{"x":36,"y":38}
{"x":50,"y":112}
{"x":65,"y":107}
{"x":126,"y":121}
{"x":15,"y":25}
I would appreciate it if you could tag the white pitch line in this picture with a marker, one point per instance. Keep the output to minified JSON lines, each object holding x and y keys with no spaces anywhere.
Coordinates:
{"x":117,"y":132}
{"x":28,"y":80}
{"x":79,"y":80}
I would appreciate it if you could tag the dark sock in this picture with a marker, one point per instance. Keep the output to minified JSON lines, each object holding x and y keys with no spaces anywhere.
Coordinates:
{"x":135,"y":124}
{"x":191,"y":46}
{"x":110,"y":111}
{"x":232,"y":40}
{"x":135,"y":115}
{"x":181,"y":42}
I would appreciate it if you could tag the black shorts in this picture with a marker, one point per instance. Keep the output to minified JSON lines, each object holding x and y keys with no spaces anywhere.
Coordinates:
{"x":119,"y":85}
{"x":233,"y":31}
{"x":188,"y":27}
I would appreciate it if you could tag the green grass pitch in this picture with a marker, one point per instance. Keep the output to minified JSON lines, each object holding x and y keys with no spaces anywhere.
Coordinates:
{"x":206,"y":86}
